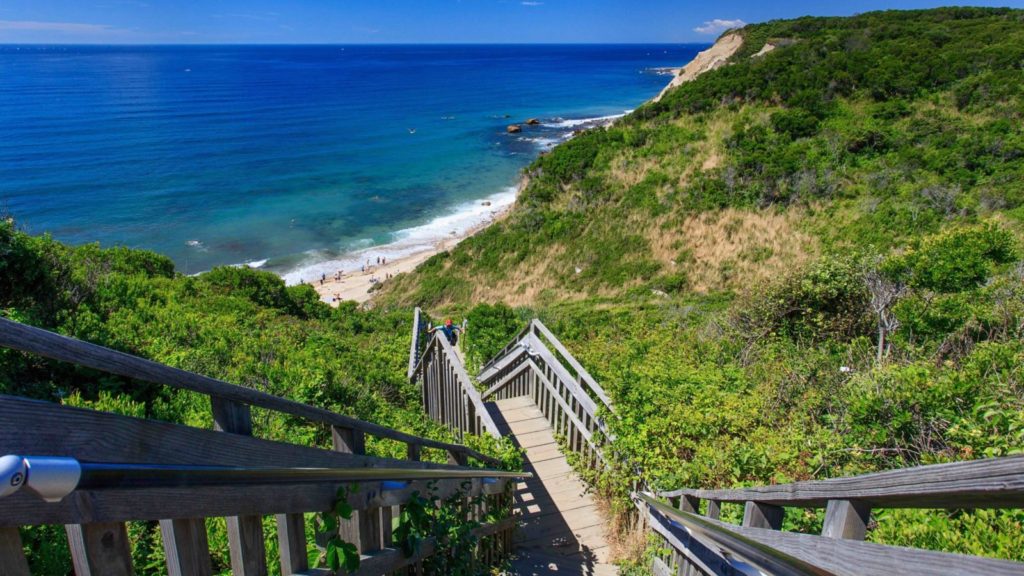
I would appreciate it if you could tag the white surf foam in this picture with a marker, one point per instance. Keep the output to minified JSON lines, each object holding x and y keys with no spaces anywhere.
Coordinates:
{"x":573,"y":123}
{"x":407,"y":242}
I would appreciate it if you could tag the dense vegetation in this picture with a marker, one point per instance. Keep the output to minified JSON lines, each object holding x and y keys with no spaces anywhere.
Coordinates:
{"x":237,"y":324}
{"x":813,"y":253}
{"x":802,"y":265}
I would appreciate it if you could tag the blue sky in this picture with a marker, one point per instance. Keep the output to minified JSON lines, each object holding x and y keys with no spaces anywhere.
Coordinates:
{"x":401,"y":21}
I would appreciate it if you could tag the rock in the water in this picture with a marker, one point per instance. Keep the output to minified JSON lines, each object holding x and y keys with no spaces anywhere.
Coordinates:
{"x":485,"y":203}
{"x":514,"y":129}
{"x":533,"y":121}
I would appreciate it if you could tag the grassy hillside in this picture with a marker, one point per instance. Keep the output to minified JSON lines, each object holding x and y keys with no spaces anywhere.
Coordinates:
{"x":801,"y":265}
{"x":237,"y":324}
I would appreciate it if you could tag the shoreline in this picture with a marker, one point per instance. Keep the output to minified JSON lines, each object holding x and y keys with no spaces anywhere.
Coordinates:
{"x":357,"y":285}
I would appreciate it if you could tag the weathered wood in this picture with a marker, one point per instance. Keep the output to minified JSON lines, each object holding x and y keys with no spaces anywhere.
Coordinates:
{"x":291,"y":538}
{"x":413,"y":452}
{"x":659,"y":568}
{"x":714,"y":509}
{"x":415,"y":344}
{"x":506,"y":380}
{"x":186,"y":547}
{"x":100,"y":549}
{"x":245,"y":544}
{"x":689,"y":504}
{"x":584,"y":376}
{"x":229,"y":416}
{"x":245,"y":533}
{"x":57,"y":347}
{"x":856,"y":558}
{"x":12,"y":554}
{"x":988,"y":483}
{"x":348,"y":440}
{"x":846,"y":519}
{"x":757,"y":515}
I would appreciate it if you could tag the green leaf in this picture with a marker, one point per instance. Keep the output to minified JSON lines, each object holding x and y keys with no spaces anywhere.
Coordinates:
{"x":343,"y":509}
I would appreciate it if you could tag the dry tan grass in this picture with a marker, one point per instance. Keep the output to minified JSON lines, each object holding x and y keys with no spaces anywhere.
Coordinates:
{"x":524,"y":284}
{"x":731,"y":249}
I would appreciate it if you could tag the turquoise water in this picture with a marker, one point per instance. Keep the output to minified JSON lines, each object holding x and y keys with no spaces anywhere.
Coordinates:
{"x":291,"y":158}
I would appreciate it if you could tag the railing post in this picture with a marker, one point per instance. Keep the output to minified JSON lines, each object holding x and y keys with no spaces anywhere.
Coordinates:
{"x":714,"y":509}
{"x":12,"y":555}
{"x":100,"y":549}
{"x":291,"y":538}
{"x":364,"y":528}
{"x":245,"y":533}
{"x":757,"y":515}
{"x":846,"y":519}
{"x":186,"y":547}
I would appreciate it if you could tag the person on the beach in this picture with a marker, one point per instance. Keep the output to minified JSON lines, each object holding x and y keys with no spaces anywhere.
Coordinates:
{"x":450,"y":331}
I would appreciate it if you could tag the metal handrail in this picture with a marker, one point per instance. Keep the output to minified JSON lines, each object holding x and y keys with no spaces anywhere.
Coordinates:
{"x":740,"y":552}
{"x":54,"y":477}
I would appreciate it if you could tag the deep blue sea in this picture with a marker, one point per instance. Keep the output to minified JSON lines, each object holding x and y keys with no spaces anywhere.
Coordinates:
{"x":286,"y":157}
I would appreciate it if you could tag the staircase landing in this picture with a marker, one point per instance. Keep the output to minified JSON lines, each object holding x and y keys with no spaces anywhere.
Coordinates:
{"x":560,"y":529}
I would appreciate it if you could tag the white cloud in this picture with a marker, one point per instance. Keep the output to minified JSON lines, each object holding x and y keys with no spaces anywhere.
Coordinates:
{"x":64,"y":27}
{"x":531,"y":3}
{"x":717,"y":26}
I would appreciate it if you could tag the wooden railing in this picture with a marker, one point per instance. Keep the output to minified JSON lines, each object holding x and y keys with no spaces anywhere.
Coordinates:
{"x":571,"y":400}
{"x":449,"y":396}
{"x":415,"y":346}
{"x":701,"y":544}
{"x":705,"y":545}
{"x":95,"y":519}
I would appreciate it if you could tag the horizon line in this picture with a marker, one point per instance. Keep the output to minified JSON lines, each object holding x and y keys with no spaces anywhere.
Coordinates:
{"x":198,"y":44}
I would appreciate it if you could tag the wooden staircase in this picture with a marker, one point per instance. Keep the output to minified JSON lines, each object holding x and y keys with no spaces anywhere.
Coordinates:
{"x":538,"y":395}
{"x":545,"y":408}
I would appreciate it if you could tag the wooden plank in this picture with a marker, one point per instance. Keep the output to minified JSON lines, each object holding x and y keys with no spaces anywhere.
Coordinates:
{"x":100,"y":549}
{"x":12,"y":554}
{"x":57,"y":347}
{"x":856,"y":558}
{"x":245,"y":545}
{"x":245,"y":533}
{"x":35,"y":427}
{"x":583,"y":374}
{"x":414,"y":345}
{"x":229,"y":416}
{"x":988,"y":483}
{"x":467,"y":386}
{"x":348,"y":440}
{"x":505,"y":380}
{"x":757,"y":515}
{"x":846,"y":519}
{"x":291,"y":537}
{"x":186,"y":547}
{"x":714,"y":509}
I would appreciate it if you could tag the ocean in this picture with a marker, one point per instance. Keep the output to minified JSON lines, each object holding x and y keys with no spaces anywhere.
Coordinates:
{"x":296,"y":159}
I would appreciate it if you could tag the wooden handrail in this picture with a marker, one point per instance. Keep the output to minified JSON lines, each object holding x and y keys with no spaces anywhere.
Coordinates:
{"x":414,"y":347}
{"x":714,"y":547}
{"x":48,"y":344}
{"x":584,"y":376}
{"x":987,"y":483}
{"x":467,"y":385}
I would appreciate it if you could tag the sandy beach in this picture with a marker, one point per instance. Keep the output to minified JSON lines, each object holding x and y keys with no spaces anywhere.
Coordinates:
{"x":356,"y":285}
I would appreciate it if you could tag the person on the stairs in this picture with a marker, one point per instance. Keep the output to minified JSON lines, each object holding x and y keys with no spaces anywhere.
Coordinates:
{"x":450,"y":331}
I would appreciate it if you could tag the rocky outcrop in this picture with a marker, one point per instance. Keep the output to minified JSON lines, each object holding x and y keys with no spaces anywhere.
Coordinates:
{"x":514,"y":129}
{"x":710,"y":59}
{"x":533,"y":122}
